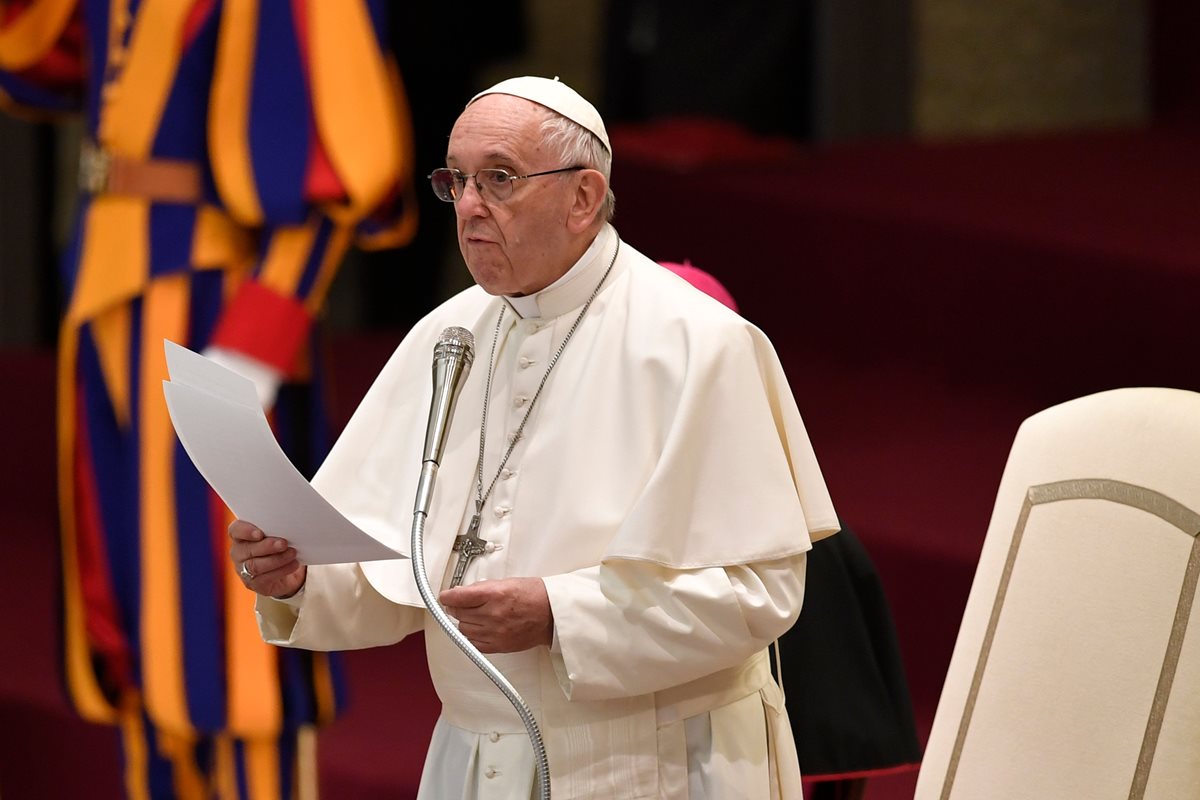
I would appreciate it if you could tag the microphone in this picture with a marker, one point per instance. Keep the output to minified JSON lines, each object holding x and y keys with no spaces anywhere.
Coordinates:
{"x":452,"y":358}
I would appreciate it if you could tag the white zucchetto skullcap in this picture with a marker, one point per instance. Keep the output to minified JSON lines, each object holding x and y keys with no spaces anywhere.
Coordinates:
{"x":556,"y":96}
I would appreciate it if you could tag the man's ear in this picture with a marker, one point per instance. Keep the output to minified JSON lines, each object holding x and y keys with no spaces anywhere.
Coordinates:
{"x":590,"y":191}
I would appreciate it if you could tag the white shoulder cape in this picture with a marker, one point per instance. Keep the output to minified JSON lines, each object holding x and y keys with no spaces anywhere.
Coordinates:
{"x":667,"y":433}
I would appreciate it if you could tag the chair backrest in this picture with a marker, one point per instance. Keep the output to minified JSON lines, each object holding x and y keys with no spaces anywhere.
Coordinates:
{"x":1076,"y":672}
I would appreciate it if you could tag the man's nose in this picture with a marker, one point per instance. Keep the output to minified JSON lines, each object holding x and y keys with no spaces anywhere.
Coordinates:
{"x":471,"y":202}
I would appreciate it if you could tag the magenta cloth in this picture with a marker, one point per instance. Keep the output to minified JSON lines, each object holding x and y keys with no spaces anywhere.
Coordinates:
{"x":702,"y":281}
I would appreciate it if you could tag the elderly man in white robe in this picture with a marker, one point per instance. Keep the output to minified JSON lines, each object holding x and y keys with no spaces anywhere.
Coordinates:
{"x":631,"y":454}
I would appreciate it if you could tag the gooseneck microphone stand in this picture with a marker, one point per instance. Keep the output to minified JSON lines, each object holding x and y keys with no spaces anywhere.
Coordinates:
{"x":452,"y":359}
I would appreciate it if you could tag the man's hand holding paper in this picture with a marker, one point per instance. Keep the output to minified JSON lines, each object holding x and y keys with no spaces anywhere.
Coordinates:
{"x":268,"y":564}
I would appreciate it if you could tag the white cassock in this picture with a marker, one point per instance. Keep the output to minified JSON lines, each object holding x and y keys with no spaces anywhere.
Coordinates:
{"x":665,"y":490}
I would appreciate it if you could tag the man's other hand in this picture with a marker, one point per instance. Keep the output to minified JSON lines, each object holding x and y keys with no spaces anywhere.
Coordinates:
{"x":266,"y":564}
{"x":502,"y":616}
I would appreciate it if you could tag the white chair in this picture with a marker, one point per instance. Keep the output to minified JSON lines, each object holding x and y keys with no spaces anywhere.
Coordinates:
{"x":1076,"y":672}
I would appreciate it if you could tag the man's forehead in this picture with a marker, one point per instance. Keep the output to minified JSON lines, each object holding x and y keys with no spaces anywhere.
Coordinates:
{"x":503,"y":110}
{"x":497,"y":128}
{"x":490,"y":156}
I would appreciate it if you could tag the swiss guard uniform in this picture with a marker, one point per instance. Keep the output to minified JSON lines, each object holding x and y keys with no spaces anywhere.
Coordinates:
{"x":234,"y":150}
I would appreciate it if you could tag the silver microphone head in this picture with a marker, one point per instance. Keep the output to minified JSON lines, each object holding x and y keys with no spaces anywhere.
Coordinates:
{"x":453,"y":342}
{"x":452,"y":358}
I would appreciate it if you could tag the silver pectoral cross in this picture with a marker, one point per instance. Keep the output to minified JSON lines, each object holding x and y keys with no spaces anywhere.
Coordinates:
{"x":468,"y":546}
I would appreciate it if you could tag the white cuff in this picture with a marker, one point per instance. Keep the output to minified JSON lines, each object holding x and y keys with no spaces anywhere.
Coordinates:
{"x":265,"y":377}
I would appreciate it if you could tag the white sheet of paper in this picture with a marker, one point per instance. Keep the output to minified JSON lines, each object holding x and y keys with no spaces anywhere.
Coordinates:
{"x":223,"y":429}
{"x":192,"y":369}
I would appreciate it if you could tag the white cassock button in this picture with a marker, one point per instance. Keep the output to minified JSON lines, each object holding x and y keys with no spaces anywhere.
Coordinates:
{"x":494,"y":736}
{"x":524,"y":362}
{"x":520,"y":400}
{"x":491,"y":772}
{"x":506,"y":473}
{"x":502,"y":511}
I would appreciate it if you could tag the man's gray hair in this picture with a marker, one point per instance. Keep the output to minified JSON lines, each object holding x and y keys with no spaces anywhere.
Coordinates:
{"x":577,"y":146}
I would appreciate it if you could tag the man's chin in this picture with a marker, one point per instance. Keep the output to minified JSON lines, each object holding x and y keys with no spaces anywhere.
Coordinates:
{"x":487,"y":279}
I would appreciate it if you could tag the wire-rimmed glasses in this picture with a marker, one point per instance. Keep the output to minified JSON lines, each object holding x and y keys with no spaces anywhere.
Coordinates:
{"x":494,"y":185}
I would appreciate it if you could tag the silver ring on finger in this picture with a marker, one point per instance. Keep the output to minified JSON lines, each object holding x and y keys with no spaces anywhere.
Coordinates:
{"x":244,"y":570}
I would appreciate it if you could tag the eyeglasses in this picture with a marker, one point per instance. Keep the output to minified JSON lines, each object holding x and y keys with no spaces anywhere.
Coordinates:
{"x":494,"y":185}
